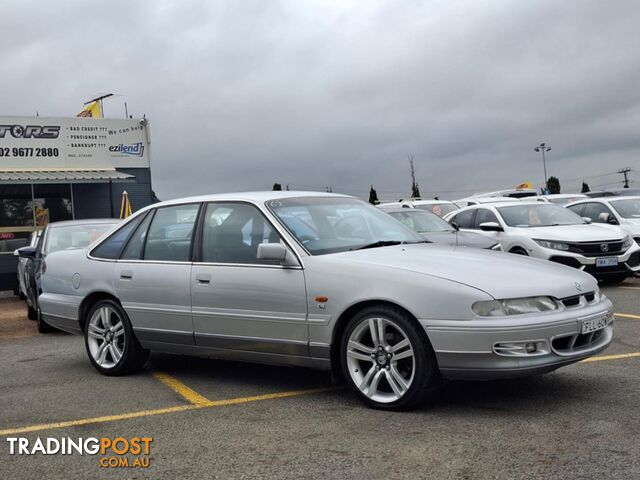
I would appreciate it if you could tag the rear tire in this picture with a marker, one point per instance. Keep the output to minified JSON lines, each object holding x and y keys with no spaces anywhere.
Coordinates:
{"x":32,"y":313}
{"x":110,"y":342}
{"x":43,"y":327}
{"x":387,"y":359}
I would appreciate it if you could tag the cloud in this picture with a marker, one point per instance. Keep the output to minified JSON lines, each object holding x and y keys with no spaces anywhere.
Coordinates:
{"x":242,"y":94}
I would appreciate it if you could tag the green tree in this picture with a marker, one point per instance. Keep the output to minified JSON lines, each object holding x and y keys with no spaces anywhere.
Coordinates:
{"x":553,"y":185}
{"x":415,"y":190}
{"x":585,"y":187}
{"x":277,"y":186}
{"x":373,"y":196}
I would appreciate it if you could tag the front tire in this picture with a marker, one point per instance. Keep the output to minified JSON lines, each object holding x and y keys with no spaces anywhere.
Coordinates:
{"x":519,"y":251}
{"x":387,"y":359}
{"x":111,"y":344}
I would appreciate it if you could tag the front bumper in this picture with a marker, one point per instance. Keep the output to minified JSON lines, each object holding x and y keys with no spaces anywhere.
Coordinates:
{"x":628,"y":263}
{"x":481,"y":349}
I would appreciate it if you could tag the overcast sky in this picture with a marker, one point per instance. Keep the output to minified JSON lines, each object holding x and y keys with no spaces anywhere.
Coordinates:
{"x":241,"y":94}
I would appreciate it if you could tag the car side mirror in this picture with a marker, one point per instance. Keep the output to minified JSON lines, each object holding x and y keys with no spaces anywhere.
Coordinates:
{"x":26,"y":252}
{"x":491,"y":227}
{"x":455,"y":226}
{"x":276,"y":252}
{"x":607,"y":218}
{"x":587,"y":220}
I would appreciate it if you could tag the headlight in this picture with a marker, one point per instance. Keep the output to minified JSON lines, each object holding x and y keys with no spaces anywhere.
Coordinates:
{"x":627,"y":242}
{"x":553,"y":245}
{"x":497,"y":247}
{"x":514,"y":306}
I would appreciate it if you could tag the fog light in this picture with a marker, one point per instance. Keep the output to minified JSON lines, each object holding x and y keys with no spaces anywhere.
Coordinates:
{"x":530,"y":347}
{"x":521,"y":349}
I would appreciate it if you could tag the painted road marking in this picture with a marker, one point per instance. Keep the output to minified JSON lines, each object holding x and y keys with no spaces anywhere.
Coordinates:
{"x":627,"y":315}
{"x":611,"y":357}
{"x":161,"y":411}
{"x":630,"y":288}
{"x":181,"y":389}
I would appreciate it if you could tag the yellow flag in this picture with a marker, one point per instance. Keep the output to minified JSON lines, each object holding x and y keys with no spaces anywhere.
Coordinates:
{"x":524,"y":185}
{"x":91,"y":110}
{"x":125,"y":206}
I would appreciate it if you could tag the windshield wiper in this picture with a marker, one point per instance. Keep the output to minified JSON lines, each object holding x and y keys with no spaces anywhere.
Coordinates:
{"x":387,"y":243}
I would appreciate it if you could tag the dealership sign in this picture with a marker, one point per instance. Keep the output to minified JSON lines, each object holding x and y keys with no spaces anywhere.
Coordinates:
{"x":28,"y":143}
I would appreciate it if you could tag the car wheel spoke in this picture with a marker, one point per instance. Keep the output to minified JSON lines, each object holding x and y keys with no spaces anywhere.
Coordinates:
{"x":105,"y":317}
{"x":400,"y":345}
{"x":406,"y":354}
{"x":398,"y":378}
{"x":101,"y":354}
{"x":373,"y":328}
{"x":118,"y":329}
{"x":95,"y":331}
{"x":359,"y":356}
{"x":373,"y":387}
{"x":353,"y":345}
{"x":366,"y":381}
{"x":116,"y":353}
{"x":397,"y":388}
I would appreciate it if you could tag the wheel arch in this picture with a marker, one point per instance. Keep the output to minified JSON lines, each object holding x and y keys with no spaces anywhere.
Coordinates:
{"x":89,"y":301}
{"x":344,"y":318}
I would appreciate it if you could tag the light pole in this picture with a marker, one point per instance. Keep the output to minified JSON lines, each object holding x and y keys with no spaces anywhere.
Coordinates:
{"x":543,"y":148}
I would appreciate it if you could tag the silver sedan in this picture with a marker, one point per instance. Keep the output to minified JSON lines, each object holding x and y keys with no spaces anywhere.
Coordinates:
{"x":323,"y":281}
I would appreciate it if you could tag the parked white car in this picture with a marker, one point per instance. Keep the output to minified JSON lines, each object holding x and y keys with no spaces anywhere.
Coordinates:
{"x":621,"y":211}
{"x":551,"y":232}
{"x":438,"y":207}
{"x":469,"y":201}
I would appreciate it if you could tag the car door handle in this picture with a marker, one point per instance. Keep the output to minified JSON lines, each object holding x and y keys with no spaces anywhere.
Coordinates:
{"x":126,"y":275}
{"x":203,"y":279}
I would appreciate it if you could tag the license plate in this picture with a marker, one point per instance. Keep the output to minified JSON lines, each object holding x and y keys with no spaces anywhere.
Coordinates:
{"x":607,"y":262}
{"x":593,"y":325}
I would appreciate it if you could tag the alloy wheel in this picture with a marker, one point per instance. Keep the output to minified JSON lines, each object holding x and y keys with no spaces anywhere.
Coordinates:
{"x":380,"y":359}
{"x":106,"y":337}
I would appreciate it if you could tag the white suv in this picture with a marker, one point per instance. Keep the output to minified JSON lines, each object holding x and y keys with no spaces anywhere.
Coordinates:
{"x":550,"y":232}
{"x":622,"y":211}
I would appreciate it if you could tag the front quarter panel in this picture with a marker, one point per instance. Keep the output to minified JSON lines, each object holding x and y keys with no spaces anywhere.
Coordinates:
{"x":346,"y":284}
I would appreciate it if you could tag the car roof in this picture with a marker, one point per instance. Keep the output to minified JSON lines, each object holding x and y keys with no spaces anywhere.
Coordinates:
{"x":257,"y":197}
{"x":565,"y":195}
{"x":88,"y":221}
{"x":428,"y":202}
{"x":407,"y":210}
{"x":603,"y":199}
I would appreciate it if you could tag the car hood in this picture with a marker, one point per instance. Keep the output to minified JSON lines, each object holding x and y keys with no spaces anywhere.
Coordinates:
{"x":501,"y":275}
{"x":466,"y":239}
{"x":631,"y":225}
{"x":573,"y":233}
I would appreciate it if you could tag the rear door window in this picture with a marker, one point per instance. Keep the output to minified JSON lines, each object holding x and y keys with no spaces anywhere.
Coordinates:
{"x":464,"y":219}
{"x":112,"y":246}
{"x":170,"y":234}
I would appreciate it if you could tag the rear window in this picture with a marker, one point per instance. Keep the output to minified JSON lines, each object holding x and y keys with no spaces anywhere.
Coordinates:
{"x":74,"y":236}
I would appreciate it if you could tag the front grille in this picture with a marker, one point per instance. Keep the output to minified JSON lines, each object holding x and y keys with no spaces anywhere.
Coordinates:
{"x":577,"y":300}
{"x":597,"y":249}
{"x":573,"y":343}
{"x":568,"y":261}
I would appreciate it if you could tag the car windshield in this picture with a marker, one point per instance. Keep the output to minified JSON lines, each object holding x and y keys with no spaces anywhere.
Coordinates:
{"x":627,"y":208}
{"x":538,"y":215}
{"x":421,"y":221}
{"x":74,"y":236}
{"x":440,"y":209}
{"x":335,"y":224}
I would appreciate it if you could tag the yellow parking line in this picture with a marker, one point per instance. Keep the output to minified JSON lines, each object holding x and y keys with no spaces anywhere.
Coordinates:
{"x":627,"y":315}
{"x":88,"y":421}
{"x":181,"y":389}
{"x":160,"y":411}
{"x":611,"y":357}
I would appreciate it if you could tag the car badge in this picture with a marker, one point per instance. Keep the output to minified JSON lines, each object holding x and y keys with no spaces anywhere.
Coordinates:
{"x":578,"y":287}
{"x":604,"y":247}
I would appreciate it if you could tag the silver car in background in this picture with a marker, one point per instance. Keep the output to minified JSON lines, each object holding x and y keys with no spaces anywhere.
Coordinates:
{"x":324,"y":281}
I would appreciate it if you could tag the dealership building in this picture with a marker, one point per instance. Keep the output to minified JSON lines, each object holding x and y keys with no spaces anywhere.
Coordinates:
{"x":54,"y":169}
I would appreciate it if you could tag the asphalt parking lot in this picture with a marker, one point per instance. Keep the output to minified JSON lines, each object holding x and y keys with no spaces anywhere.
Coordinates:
{"x":215,"y":419}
